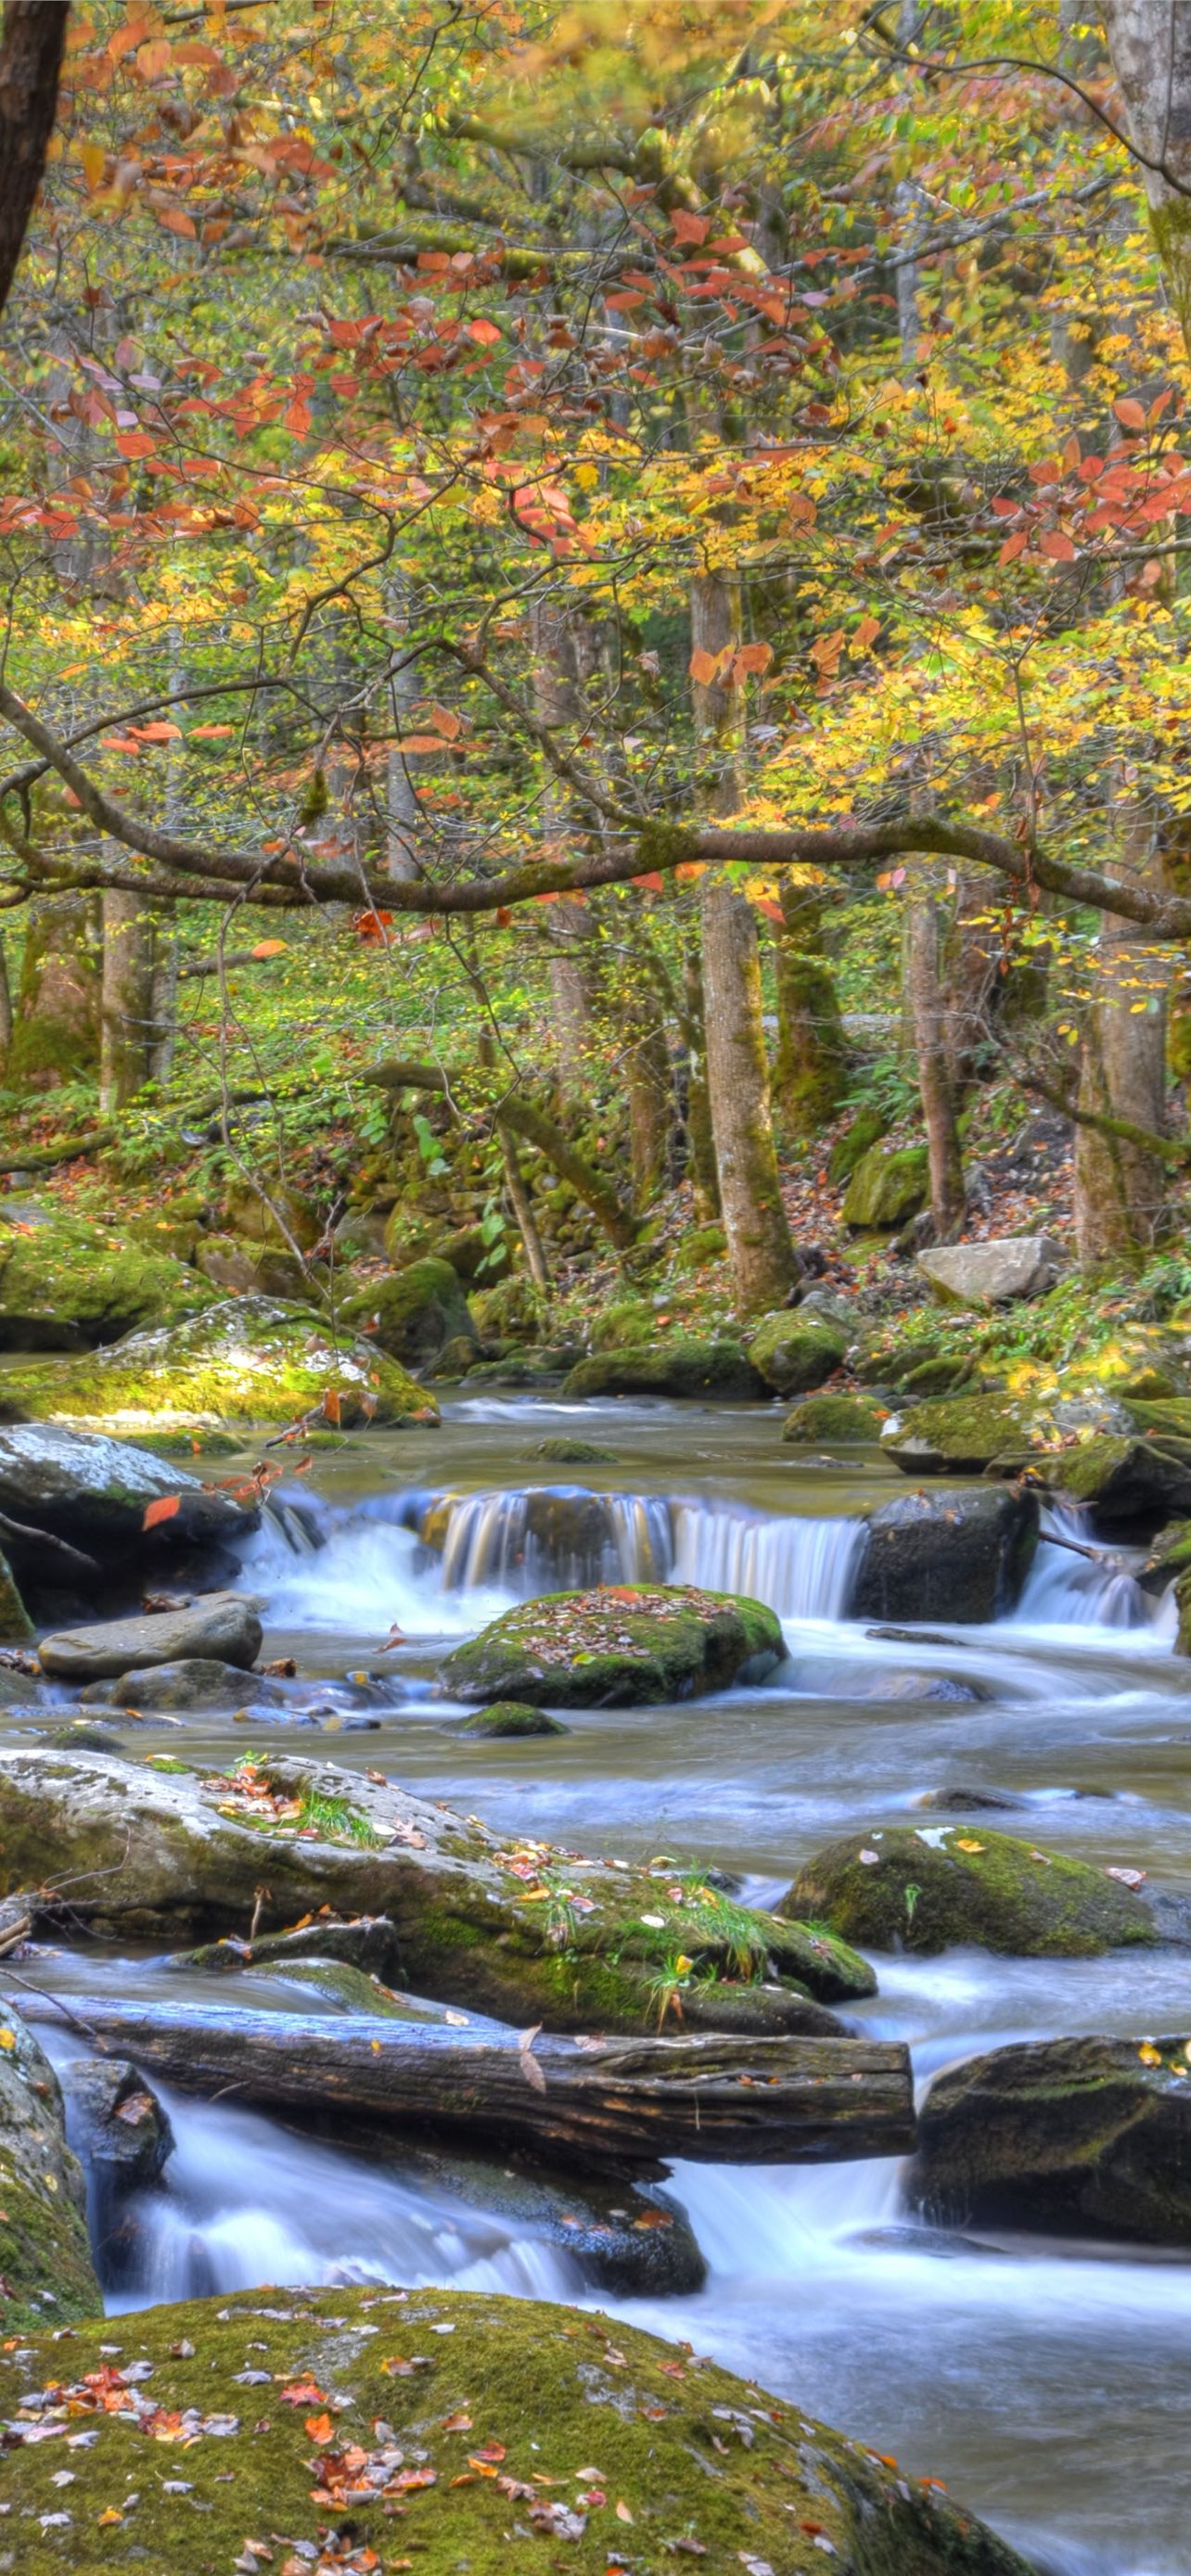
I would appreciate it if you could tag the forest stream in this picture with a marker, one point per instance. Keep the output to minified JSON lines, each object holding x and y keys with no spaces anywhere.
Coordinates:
{"x":1042,"y":2381}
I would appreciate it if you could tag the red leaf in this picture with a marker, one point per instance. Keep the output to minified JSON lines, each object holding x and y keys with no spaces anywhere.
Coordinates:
{"x":165,"y":1508}
{"x":297,"y":416}
{"x":487,"y":333}
{"x":689,"y":228}
{"x":332,"y":1408}
{"x":1057,"y":546}
{"x":1014,"y":546}
{"x":135,"y":442}
{"x":1130,"y":414}
{"x":654,"y":882}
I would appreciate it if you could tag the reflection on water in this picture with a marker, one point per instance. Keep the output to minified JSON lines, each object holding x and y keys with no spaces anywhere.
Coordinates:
{"x":1046,"y":2384}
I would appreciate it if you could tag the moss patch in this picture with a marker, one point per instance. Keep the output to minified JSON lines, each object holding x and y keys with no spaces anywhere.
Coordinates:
{"x":680,"y":1366}
{"x":45,"y":2266}
{"x":621,"y":1646}
{"x":69,"y":1290}
{"x":932,"y":1888}
{"x":440,"y":2427}
{"x":413,"y":1314}
{"x":794,"y":1353}
{"x":247,"y":1360}
{"x":889,"y":1184}
{"x":833,"y":1417}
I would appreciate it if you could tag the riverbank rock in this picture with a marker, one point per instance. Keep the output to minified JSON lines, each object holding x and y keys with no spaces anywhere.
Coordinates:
{"x":630,"y":2239}
{"x":833,"y":1418}
{"x":889,"y":1184}
{"x":247,"y":1360}
{"x":413,"y":1313}
{"x":410,"y":2385}
{"x":116,"y":2124}
{"x":1125,"y":1480}
{"x":192,"y":1681}
{"x":1091,"y":2136}
{"x":935,"y":1887}
{"x":969,"y":1435}
{"x":512,"y":1717}
{"x":621,"y":1646}
{"x":794,"y":1352}
{"x":983,"y":1275}
{"x":157,"y":1853}
{"x":45,"y":2265}
{"x":958,"y":1553}
{"x":72,"y":1288}
{"x":716,"y":1371}
{"x":221,"y":1626}
{"x":98,"y":1494}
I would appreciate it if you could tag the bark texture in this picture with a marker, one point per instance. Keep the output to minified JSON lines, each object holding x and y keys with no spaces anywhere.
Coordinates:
{"x":1120,"y":1182}
{"x":1150,"y":45}
{"x":810,"y":1069}
{"x":128,"y":1018}
{"x":928,"y":1016}
{"x":31,"y":46}
{"x":56,"y":1027}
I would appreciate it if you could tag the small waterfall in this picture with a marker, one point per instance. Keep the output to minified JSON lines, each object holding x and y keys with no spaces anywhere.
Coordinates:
{"x":552,"y":1537}
{"x":1064,"y":1590}
{"x":803,"y":1569}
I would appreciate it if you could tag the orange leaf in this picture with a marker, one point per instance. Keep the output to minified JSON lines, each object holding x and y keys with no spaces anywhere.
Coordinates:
{"x":209,"y":733}
{"x":94,"y":160}
{"x":445,"y":721}
{"x":159,"y":732}
{"x":420,"y":742}
{"x":753,"y":657}
{"x":866,"y":633}
{"x":654,"y":882}
{"x":332,"y":1408}
{"x":1057,"y":546}
{"x":1130,"y":414}
{"x":319,"y":2427}
{"x":703,"y":666}
{"x":269,"y":948}
{"x":689,"y":228}
{"x":487,"y":333}
{"x":296,"y":416}
{"x":1014,"y":546}
{"x":135,"y":442}
{"x":165,"y":1508}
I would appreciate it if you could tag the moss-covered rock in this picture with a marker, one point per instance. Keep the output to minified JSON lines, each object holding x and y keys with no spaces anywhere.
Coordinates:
{"x":513,"y":1717}
{"x":936,"y":1886}
{"x":46,"y":2273}
{"x":621,"y":1646}
{"x":698,"y":1249}
{"x":513,"y":1308}
{"x":678,"y":1366}
{"x":1125,"y":1479}
{"x":574,"y":1453}
{"x":247,"y":1360}
{"x":833,"y":1417}
{"x":470,"y":1919}
{"x":281,"y":1217}
{"x":649,"y":2452}
{"x":243,"y":1269}
{"x":1085,"y":2135}
{"x":624,"y":1326}
{"x":16,"y":1626}
{"x":794,"y":1353}
{"x":865,"y":1131}
{"x":967,"y":1435}
{"x":889,"y":1184}
{"x":72,"y":1288}
{"x":958,"y":1552}
{"x":413,"y":1313}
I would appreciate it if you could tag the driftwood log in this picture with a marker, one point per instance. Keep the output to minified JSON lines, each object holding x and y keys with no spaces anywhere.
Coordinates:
{"x":624,"y":2103}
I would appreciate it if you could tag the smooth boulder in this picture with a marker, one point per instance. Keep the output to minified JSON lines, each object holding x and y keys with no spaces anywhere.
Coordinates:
{"x":512,"y":1718}
{"x":189,"y":1681}
{"x":680,"y":1366}
{"x":222,"y":1626}
{"x":621,"y":1646}
{"x":937,"y":1887}
{"x":983,"y":1275}
{"x":1087,"y":2136}
{"x":794,"y":1352}
{"x":647,"y":2445}
{"x":959,"y":1553}
{"x":247,"y":1360}
{"x":105,"y":1497}
{"x":45,"y":2263}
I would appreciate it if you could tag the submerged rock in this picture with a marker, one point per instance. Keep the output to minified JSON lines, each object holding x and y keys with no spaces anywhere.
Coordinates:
{"x":248,"y":1359}
{"x":413,"y":1313}
{"x":512,"y":1717}
{"x":621,"y":1646}
{"x":697,"y":2457}
{"x":960,"y":1553}
{"x":935,"y":1887}
{"x":795,"y":1352}
{"x":220,"y":1625}
{"x":631,"y":2239}
{"x":45,"y":2265}
{"x":1091,"y":2136}
{"x":679,"y":1366}
{"x":574,"y":1453}
{"x":983,"y":1275}
{"x":155,"y":1852}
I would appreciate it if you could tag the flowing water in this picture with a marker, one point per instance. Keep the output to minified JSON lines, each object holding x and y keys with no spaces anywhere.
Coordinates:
{"x":1044,"y":2382}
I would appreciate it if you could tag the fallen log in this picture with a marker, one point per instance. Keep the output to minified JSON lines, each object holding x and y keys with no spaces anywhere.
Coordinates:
{"x":620,"y":2103}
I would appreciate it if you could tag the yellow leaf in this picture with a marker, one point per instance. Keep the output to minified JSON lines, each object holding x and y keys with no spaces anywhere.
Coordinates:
{"x":1149,"y":2055}
{"x":587,"y":477}
{"x":94,"y":160}
{"x":963,"y":1846}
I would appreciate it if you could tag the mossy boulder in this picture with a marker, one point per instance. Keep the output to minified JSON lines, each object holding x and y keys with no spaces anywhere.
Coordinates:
{"x":625,"y":1326}
{"x":958,"y":1552}
{"x":281,"y":1217}
{"x":513,"y":1717}
{"x":865,"y":1130}
{"x":621,"y":1646}
{"x":574,"y":1453}
{"x":934,"y":1887}
{"x":967,"y":1435}
{"x":650,"y":2450}
{"x":16,"y":1626}
{"x":1087,"y":2136}
{"x":242,"y":1269}
{"x":1125,"y":1480}
{"x":514,"y":1308}
{"x":698,"y":1249}
{"x":679,"y":1366}
{"x":46,"y":2274}
{"x":412,"y":1314}
{"x":248,"y":1360}
{"x":794,"y":1353}
{"x":833,"y":1417}
{"x":158,"y":1854}
{"x":890,"y":1183}
{"x":73,"y":1288}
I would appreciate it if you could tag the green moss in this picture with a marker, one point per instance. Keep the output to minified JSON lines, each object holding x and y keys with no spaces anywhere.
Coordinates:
{"x":679,"y":1366}
{"x":833,"y":1417}
{"x":413,"y":1313}
{"x":247,"y":1360}
{"x":697,"y":1250}
{"x":929,"y":1889}
{"x":866,"y":1130}
{"x":793,"y":1353}
{"x":70,"y":1288}
{"x":969,"y":1433}
{"x":512,"y":1717}
{"x":618,"y":1647}
{"x":889,"y":1184}
{"x":623,"y":1327}
{"x":569,"y":2413}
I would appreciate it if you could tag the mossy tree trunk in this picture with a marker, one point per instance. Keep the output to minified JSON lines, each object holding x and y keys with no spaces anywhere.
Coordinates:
{"x":762,"y":1258}
{"x":705,"y":1179}
{"x":55,"y":1034}
{"x":650,"y":1092}
{"x":970,"y":963}
{"x":928,"y":1014}
{"x":1150,"y":44}
{"x":564,"y":657}
{"x":1120,"y":1187}
{"x":127,"y":1019}
{"x":810,"y":1067}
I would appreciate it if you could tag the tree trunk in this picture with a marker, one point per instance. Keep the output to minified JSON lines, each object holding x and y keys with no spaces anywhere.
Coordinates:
{"x":1120,"y":1189}
{"x":5,"y":1003}
{"x":810,"y":1067}
{"x":564,"y":653}
{"x":650,"y":1093}
{"x":928,"y":1008}
{"x":30,"y":62}
{"x":763,"y":1262}
{"x":1150,"y":44}
{"x":527,"y":1224}
{"x":127,"y":1012}
{"x":705,"y":1180}
{"x":56,"y":1031}
{"x":622,"y":2103}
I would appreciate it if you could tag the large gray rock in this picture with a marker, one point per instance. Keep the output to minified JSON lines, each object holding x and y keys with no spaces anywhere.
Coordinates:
{"x":45,"y":2264}
{"x":959,"y":1552}
{"x":220,"y":1626}
{"x":1084,"y":2135}
{"x":193,"y":1681}
{"x":94,"y":1492}
{"x":989,"y":1274}
{"x":116,"y":2124}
